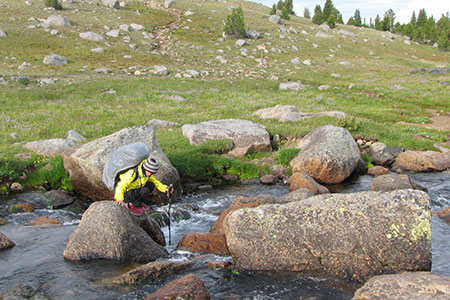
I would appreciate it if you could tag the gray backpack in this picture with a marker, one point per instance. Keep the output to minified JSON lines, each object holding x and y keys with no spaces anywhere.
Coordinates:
{"x":122,"y":159}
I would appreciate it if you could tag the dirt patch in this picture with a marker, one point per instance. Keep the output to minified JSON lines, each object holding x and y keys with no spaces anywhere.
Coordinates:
{"x":439,"y":121}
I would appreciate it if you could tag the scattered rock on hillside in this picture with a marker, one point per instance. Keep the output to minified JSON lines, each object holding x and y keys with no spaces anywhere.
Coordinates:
{"x":3,"y":34}
{"x":111,"y":3}
{"x":54,"y":59}
{"x":423,"y":161}
{"x":322,"y":34}
{"x":314,"y":235}
{"x":92,"y":36}
{"x":113,"y":33}
{"x":187,"y":287}
{"x":283,"y":113}
{"x":57,"y":20}
{"x":410,"y":285}
{"x":85,"y":163}
{"x":275,"y":19}
{"x":246,"y":136}
{"x":169,"y":3}
{"x":329,"y":154}
{"x":52,"y":147}
{"x":107,"y":231}
{"x":292,"y":86}
{"x":160,"y":71}
{"x":346,"y":32}
{"x":240,"y":43}
{"x":252,"y":34}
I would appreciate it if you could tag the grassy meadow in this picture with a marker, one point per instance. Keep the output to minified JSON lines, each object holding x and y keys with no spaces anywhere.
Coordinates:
{"x":361,"y":70}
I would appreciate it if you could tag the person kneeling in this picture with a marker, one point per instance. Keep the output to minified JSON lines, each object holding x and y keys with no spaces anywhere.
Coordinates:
{"x":136,"y":185}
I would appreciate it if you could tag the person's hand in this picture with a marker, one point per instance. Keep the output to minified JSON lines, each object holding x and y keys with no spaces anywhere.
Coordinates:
{"x":170,"y":189}
{"x":120,"y":203}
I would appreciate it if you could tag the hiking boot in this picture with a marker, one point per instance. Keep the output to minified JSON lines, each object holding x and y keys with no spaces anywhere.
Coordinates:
{"x":145,"y":207}
{"x":135,"y":210}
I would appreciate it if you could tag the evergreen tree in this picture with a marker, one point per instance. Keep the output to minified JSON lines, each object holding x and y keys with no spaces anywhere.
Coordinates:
{"x":328,"y":9}
{"x":371,"y":25}
{"x":378,"y":24}
{"x":357,"y":18}
{"x":351,"y":21}
{"x":318,"y":16}
{"x":280,"y":5}
{"x":443,"y":31}
{"x":307,"y":13}
{"x":413,"y":19}
{"x":285,"y":13}
{"x":235,"y":24}
{"x":273,"y":11}
{"x":339,"y":18}
{"x":389,"y":18}
{"x":331,"y":21}
{"x":289,"y":6}
{"x":422,"y":18}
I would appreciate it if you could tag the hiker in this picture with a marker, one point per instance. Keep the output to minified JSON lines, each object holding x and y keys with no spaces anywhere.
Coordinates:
{"x":135,"y":186}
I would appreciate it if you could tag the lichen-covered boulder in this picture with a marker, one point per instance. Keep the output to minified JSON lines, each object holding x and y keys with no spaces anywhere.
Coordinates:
{"x":246,"y":136}
{"x":352,"y":236}
{"x":204,"y":242}
{"x":410,"y":285}
{"x":107,"y":231}
{"x":85,"y":162}
{"x":5,"y":242}
{"x":329,"y":154}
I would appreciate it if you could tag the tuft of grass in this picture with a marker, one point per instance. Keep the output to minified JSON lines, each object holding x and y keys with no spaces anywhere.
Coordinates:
{"x":52,"y":172}
{"x":53,"y":3}
{"x":284,"y":156}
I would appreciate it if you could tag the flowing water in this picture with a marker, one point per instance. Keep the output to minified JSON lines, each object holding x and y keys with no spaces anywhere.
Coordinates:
{"x":36,"y":262}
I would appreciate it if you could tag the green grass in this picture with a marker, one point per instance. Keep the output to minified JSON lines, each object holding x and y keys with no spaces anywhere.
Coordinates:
{"x":80,"y":98}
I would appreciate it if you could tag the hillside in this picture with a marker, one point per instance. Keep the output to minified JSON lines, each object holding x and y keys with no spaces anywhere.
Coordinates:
{"x":383,"y":81}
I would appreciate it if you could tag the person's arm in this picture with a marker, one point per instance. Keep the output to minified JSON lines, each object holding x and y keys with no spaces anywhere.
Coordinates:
{"x":124,"y":182}
{"x":159,"y":185}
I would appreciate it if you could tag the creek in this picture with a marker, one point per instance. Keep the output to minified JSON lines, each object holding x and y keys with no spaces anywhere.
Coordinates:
{"x":37,"y":264}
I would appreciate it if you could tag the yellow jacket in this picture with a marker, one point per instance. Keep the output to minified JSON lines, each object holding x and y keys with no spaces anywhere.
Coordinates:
{"x":130,"y":180}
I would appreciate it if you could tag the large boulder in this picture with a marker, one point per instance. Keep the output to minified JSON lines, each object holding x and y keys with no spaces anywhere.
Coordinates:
{"x":52,"y":147}
{"x":410,"y":285}
{"x":85,"y":162}
{"x":329,"y":154}
{"x":204,"y":242}
{"x":352,"y":236}
{"x":107,"y":231}
{"x":246,"y":136}
{"x":423,"y":161}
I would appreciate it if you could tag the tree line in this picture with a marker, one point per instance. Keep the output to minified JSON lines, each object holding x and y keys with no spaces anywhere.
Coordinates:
{"x":421,"y":29}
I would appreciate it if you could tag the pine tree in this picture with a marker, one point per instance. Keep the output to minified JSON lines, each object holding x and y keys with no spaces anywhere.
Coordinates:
{"x":235,"y":24}
{"x":285,"y":13}
{"x":339,"y":18}
{"x":318,"y":16}
{"x":378,"y":24}
{"x":273,"y":11}
{"x":443,"y":31}
{"x":307,"y":13}
{"x":289,"y":6}
{"x":351,"y":21}
{"x":331,"y":21}
{"x":422,"y":18}
{"x":357,"y":18}
{"x":389,"y":17}
{"x":280,"y":5}
{"x":327,"y":10}
{"x":413,"y":19}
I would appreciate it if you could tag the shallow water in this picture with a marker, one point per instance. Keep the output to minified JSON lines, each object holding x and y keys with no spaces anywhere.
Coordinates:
{"x":37,"y":259}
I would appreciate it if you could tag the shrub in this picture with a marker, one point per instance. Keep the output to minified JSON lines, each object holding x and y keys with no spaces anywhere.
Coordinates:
{"x":331,"y":21}
{"x":235,"y":24}
{"x":53,"y":3}
{"x":23,"y":80}
{"x":53,"y":173}
{"x":284,"y":156}
{"x":350,"y":123}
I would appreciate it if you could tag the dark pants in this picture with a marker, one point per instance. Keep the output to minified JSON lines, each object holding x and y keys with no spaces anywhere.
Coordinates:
{"x":137,"y":196}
